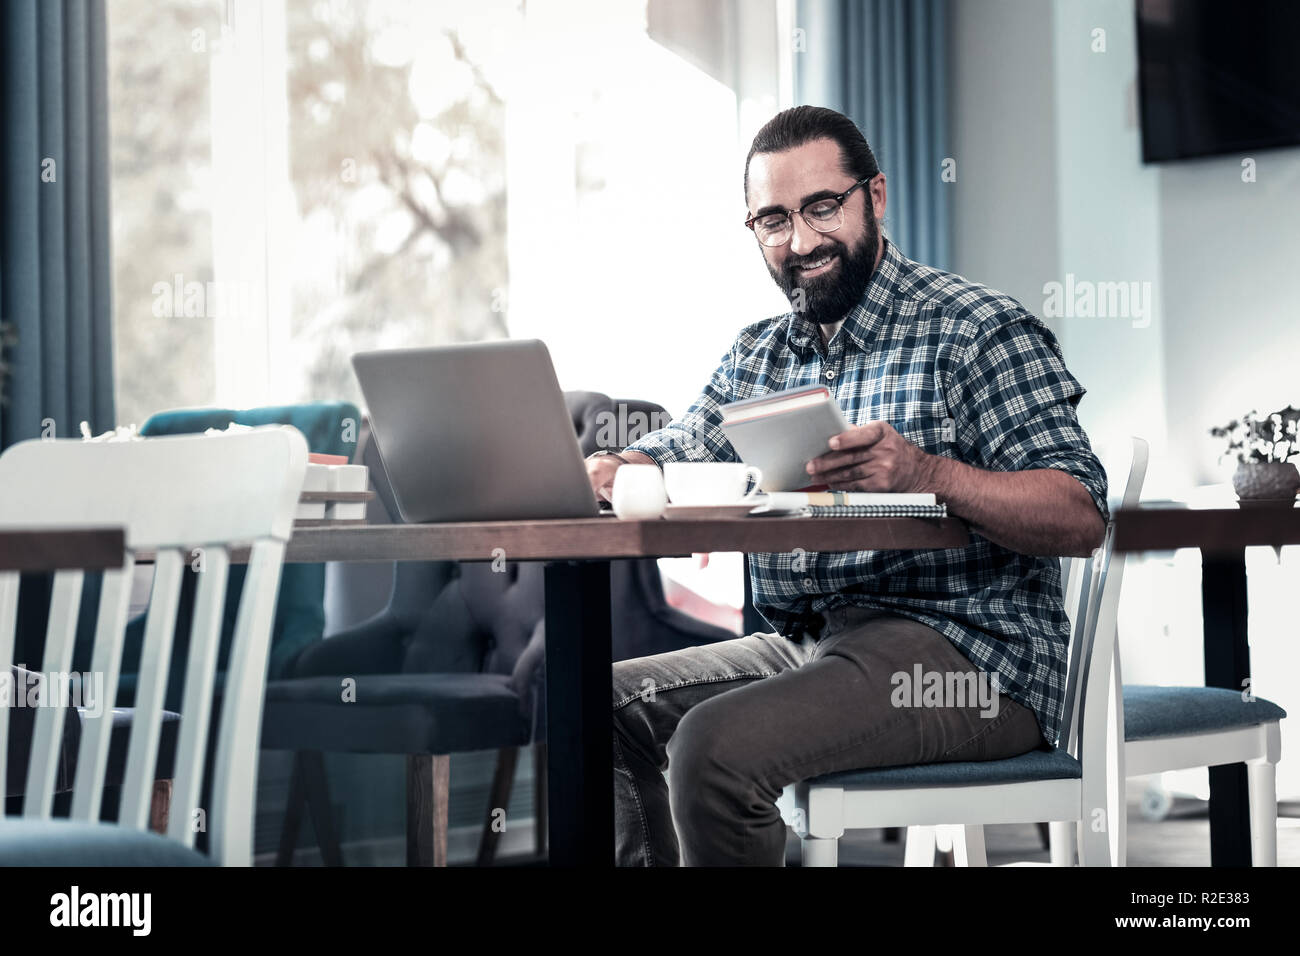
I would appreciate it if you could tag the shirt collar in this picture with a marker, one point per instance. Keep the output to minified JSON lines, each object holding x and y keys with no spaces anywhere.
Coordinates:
{"x":865,"y":320}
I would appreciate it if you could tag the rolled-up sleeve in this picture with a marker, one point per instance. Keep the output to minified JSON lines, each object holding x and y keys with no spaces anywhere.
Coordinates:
{"x":696,"y":435}
{"x":1020,"y":405}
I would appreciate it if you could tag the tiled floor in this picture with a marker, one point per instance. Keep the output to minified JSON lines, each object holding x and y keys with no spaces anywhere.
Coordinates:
{"x":1183,"y":841}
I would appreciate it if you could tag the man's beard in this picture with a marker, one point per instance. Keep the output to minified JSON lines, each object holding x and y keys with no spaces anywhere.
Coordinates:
{"x":827,"y":298}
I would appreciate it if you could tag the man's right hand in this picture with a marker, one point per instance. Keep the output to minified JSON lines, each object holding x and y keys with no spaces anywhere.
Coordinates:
{"x":601,"y":468}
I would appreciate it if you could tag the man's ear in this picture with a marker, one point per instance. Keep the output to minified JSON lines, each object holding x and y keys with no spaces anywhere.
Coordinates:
{"x":879,"y":196}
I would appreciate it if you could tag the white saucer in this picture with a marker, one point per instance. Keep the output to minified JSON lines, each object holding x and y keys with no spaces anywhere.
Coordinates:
{"x":700,"y":512}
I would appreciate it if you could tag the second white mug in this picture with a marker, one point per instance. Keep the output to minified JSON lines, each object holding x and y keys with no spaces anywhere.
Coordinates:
{"x":710,"y":482}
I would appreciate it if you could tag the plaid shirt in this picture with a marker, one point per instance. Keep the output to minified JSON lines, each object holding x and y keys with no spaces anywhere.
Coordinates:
{"x":961,"y":371}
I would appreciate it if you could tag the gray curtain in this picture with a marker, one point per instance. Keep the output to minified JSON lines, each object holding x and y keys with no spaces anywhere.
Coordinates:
{"x":55,"y":288}
{"x":884,"y":63}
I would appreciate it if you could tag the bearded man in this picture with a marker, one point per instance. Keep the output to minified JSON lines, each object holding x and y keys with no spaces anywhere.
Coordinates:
{"x":951,"y":388}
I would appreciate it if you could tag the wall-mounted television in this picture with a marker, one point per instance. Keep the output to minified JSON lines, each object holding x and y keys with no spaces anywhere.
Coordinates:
{"x":1217,"y":76}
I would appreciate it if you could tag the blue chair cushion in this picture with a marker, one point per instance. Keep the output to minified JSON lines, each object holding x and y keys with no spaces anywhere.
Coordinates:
{"x":1040,"y":764}
{"x":395,"y":714}
{"x":1151,"y":711}
{"x":67,"y":843}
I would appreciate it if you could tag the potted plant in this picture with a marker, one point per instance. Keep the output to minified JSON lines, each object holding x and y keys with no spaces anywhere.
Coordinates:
{"x":1263,"y":445}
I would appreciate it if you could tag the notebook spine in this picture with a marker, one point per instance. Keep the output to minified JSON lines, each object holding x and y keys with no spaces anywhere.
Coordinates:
{"x":876,"y":511}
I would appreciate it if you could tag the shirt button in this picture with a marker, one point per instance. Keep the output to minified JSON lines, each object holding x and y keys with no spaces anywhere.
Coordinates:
{"x":807,"y":582}
{"x":830,"y":373}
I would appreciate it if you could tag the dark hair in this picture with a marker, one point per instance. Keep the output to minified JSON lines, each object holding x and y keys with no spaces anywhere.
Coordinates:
{"x":803,"y":124}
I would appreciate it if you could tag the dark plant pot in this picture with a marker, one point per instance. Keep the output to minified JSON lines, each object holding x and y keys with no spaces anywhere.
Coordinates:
{"x":1266,"y":480}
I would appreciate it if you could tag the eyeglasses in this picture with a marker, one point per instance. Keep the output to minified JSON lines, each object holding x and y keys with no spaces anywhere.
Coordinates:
{"x":823,"y":215}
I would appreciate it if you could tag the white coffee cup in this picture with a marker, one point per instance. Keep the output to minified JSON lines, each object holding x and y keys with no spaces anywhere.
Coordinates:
{"x":639,"y":492}
{"x":710,"y":482}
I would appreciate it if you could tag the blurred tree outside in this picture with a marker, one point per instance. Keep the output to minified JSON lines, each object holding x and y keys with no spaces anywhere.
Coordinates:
{"x":409,"y":183}
{"x":397,"y":155}
{"x":160,"y":154}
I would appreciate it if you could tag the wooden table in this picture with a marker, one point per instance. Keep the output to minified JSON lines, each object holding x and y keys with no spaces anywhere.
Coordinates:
{"x":63,"y":548}
{"x":1222,"y":534}
{"x":579,"y":669}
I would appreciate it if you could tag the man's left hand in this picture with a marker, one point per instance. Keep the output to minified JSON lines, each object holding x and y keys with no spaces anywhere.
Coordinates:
{"x":873,"y":457}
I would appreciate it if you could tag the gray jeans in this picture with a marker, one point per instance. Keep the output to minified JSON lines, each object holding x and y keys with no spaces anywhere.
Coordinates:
{"x":705,"y":738}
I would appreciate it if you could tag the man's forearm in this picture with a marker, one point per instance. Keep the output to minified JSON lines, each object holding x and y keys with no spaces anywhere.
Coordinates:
{"x":1043,"y":511}
{"x":637,"y":457}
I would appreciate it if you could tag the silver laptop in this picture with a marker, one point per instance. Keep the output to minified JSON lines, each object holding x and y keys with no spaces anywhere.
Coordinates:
{"x":475,"y":432}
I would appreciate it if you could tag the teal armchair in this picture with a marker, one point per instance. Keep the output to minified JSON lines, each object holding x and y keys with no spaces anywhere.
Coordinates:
{"x":331,"y":429}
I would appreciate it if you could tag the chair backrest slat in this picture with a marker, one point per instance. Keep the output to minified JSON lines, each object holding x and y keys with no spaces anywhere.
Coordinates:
{"x":1070,"y":587}
{"x":47,"y":736}
{"x":1140,"y":453}
{"x":196,"y":704}
{"x":1086,"y":651}
{"x":235,"y":772}
{"x":9,"y":581}
{"x":1096,"y":686}
{"x":205,"y":499}
{"x":1096,"y":748}
{"x":169,"y":495}
{"x":151,"y":689}
{"x":1079,"y":598}
{"x":106,"y":660}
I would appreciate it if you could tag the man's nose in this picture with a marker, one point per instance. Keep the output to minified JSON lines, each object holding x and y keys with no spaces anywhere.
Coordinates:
{"x":805,"y":238}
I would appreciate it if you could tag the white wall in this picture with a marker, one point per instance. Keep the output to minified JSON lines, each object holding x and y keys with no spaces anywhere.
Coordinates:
{"x":640,"y":285}
{"x":1003,"y":140}
{"x":1230,"y":252}
{"x":1108,"y":208}
{"x":1051,"y":183}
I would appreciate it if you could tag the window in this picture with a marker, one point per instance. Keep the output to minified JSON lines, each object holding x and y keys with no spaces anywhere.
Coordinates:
{"x":295,"y":180}
{"x":161,"y":154}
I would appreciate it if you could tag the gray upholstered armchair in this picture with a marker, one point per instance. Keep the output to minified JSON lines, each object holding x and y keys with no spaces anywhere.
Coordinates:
{"x":453,"y":663}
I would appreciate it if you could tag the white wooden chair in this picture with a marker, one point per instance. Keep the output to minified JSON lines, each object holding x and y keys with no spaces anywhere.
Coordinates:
{"x":187,"y":499}
{"x":1181,"y":728}
{"x":966,"y":843}
{"x":1071,"y":785}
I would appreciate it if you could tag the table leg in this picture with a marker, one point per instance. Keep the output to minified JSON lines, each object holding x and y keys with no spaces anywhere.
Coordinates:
{"x":579,"y":715}
{"x":1227,"y":664}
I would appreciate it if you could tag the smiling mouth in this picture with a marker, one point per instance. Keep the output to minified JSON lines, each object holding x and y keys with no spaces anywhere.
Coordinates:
{"x":817,"y":266}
